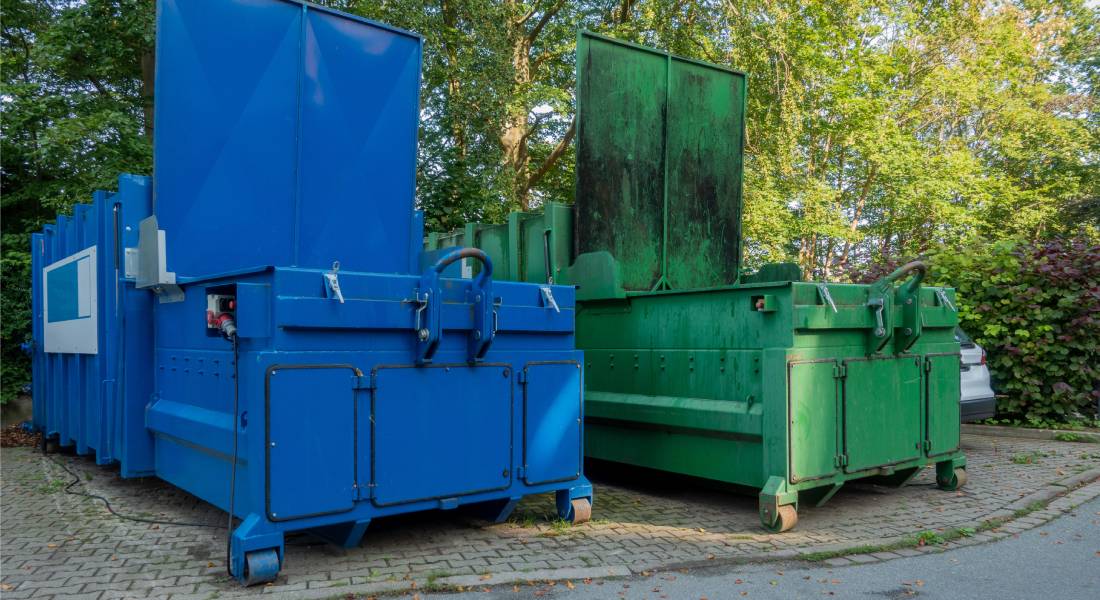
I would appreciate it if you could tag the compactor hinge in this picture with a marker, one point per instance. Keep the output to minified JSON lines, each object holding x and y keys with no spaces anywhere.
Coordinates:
{"x":840,"y":371}
{"x":362,"y":382}
{"x":840,"y":460}
{"x":927,"y":445}
{"x":927,"y":366}
{"x":521,"y":376}
{"x":521,"y":472}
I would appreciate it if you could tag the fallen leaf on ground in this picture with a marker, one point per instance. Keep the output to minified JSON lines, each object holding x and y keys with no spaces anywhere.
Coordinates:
{"x":485,"y":576}
{"x":569,"y":584}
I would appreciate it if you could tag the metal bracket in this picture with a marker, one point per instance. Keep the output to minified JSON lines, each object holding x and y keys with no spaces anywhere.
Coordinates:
{"x":548,"y":297}
{"x":152,"y":270}
{"x":944,"y":300}
{"x":332,"y":283}
{"x":840,"y":371}
{"x":823,"y":290}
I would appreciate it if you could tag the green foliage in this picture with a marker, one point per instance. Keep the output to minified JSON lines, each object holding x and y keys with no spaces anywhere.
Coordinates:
{"x":74,"y":117}
{"x":1035,"y":308}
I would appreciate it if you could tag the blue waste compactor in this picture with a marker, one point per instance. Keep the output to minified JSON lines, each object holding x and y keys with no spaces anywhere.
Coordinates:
{"x":257,"y":323}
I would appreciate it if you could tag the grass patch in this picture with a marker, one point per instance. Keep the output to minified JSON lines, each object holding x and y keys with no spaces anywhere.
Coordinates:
{"x":433,"y":576}
{"x":1069,"y":436}
{"x":558,"y":527}
{"x":52,"y":487}
{"x":1026,"y":458}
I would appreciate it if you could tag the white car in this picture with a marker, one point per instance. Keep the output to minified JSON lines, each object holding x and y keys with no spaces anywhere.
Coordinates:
{"x":978,"y":401}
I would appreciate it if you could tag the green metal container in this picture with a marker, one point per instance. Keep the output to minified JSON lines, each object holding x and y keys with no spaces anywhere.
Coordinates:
{"x":693,"y":366}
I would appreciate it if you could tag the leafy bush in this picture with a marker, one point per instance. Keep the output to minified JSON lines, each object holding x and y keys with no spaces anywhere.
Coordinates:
{"x":15,"y":314}
{"x":1035,"y":308}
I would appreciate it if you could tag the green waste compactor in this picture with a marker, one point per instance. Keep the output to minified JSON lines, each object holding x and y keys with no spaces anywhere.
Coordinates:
{"x":693,"y":365}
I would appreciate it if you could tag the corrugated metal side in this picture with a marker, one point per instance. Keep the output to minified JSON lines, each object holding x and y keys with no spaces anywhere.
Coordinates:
{"x":96,"y":402}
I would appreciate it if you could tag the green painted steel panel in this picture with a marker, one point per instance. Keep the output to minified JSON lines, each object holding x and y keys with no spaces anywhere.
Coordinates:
{"x":944,"y":412}
{"x":705,"y":133}
{"x":812,"y":411}
{"x":658,"y":164}
{"x":882,"y":411}
{"x":621,"y":96}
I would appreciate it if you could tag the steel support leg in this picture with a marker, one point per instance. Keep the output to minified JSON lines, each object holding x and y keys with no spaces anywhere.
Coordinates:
{"x":256,"y":551}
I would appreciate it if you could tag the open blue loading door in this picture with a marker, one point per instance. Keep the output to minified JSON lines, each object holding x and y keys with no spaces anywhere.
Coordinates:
{"x":285,"y":135}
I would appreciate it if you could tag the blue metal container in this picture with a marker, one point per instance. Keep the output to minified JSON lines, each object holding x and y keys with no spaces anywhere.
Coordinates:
{"x":93,"y":374}
{"x":265,"y":335}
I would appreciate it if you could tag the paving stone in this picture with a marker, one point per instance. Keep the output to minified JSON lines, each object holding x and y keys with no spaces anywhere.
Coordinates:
{"x":636,"y":528}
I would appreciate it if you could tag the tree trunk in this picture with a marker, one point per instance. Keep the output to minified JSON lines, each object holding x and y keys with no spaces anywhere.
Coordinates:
{"x":148,"y":76}
{"x":514,"y":130}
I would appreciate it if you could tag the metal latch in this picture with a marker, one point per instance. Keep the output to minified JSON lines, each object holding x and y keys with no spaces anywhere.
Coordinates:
{"x":332,"y":283}
{"x":876,"y":305}
{"x":548,"y":296}
{"x":825,"y":295}
{"x":362,"y":382}
{"x":944,"y":300}
{"x":421,"y":303}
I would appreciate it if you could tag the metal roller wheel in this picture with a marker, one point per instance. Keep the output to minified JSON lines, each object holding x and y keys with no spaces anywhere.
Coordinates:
{"x":784,"y":521}
{"x":260,"y":566}
{"x":582,"y":510}
{"x":958,"y":479}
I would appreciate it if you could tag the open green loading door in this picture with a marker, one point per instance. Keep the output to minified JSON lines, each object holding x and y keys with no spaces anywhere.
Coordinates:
{"x":659,"y":147}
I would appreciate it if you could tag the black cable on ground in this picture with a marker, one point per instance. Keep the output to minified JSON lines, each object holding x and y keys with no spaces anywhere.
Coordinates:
{"x":76,"y":479}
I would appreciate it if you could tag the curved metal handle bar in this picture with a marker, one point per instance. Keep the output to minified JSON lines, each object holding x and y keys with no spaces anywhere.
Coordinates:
{"x":901,"y":271}
{"x":459,"y":254}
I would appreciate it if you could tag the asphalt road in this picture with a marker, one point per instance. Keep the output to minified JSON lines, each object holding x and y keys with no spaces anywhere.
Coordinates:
{"x":1059,"y":560}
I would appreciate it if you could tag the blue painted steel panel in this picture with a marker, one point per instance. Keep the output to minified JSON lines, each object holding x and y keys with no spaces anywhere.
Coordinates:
{"x":96,"y":402}
{"x":313,"y":127}
{"x":552,"y":444}
{"x":463,"y":413}
{"x":359,"y":113}
{"x":310,"y":441}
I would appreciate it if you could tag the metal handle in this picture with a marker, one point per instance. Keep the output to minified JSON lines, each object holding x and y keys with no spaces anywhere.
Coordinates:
{"x":429,"y":300}
{"x":907,"y":268}
{"x":458,"y":254}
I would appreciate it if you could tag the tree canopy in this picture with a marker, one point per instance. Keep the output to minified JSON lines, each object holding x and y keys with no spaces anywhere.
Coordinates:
{"x":876,"y":128}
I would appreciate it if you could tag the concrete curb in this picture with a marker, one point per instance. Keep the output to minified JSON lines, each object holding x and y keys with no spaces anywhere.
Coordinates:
{"x":1031,"y":434}
{"x":537,"y":575}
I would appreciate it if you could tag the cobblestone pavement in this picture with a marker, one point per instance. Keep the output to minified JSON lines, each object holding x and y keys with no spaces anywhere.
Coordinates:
{"x":60,"y":545}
